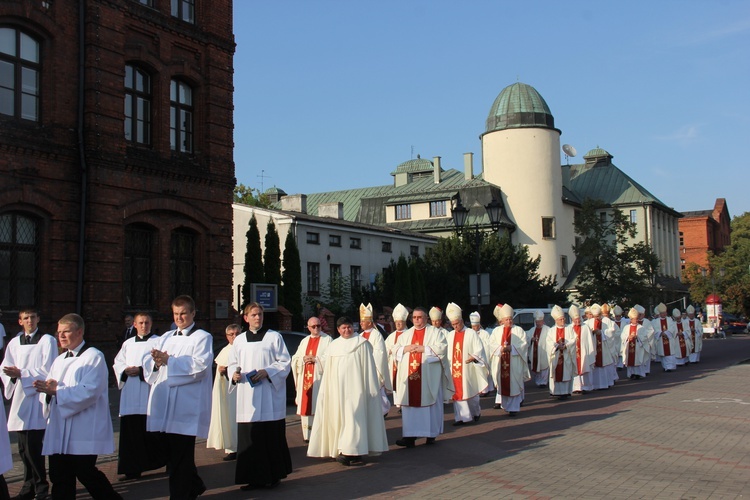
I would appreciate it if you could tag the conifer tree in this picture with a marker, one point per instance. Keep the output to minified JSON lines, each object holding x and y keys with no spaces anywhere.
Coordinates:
{"x":253,"y":260}
{"x":291,"y":281}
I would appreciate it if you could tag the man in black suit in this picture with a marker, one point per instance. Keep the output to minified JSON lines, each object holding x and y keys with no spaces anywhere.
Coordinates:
{"x":129,"y":331}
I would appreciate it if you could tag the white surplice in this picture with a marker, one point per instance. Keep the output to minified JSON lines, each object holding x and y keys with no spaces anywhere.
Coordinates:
{"x":222,"y":430}
{"x":468,"y":362}
{"x":133,"y":391}
{"x":540,"y":370}
{"x":298,"y":371}
{"x":348,"y":419}
{"x":567,"y":357}
{"x":34,"y":361}
{"x":266,"y":401}
{"x":518,"y":370}
{"x":79,"y":419}
{"x":180,"y":399}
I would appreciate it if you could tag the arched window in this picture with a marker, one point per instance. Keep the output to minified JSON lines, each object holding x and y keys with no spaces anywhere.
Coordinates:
{"x":182,"y":262}
{"x":181,"y":117}
{"x":139,"y":266}
{"x":19,"y":74}
{"x":19,"y":259}
{"x":137,"y":105}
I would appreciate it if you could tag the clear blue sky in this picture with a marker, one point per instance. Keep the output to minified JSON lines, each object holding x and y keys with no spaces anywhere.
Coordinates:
{"x":333,"y":95}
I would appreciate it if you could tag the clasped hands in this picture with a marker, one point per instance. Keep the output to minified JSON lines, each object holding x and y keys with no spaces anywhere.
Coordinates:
{"x":160,"y":357}
{"x":413,"y":348}
{"x":46,"y":386}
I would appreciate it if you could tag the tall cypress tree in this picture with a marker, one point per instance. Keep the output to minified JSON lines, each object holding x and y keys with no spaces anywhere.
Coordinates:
{"x":253,"y":260}
{"x":272,"y":257}
{"x":291,"y":279}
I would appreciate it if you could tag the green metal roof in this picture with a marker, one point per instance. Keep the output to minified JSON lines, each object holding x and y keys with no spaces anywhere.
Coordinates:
{"x":519,"y":106}
{"x":417,"y":165}
{"x":275,"y":190}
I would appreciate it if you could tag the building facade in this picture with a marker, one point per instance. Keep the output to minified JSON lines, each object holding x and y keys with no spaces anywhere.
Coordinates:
{"x":329,"y":246}
{"x":116,"y":159}
{"x":704,"y":231}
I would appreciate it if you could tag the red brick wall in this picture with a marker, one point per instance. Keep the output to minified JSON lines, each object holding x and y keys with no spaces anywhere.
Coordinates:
{"x":41,"y":169}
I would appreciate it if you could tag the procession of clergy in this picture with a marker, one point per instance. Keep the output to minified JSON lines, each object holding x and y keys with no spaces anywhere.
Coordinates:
{"x":345,"y":387}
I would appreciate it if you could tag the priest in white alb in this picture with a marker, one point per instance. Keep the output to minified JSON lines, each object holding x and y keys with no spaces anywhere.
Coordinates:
{"x":307,"y":369}
{"x":508,"y":360}
{"x":585,"y":352}
{"x":259,"y":363}
{"x":536,"y":339}
{"x":475,"y":319}
{"x":561,"y":349}
{"x":682,"y":339}
{"x":139,"y":450}
{"x":665,"y":339}
{"x":423,"y":380}
{"x":179,"y":405}
{"x":603,"y":371}
{"x":399,"y":315}
{"x":28,"y":357}
{"x":222,"y":430}
{"x":696,"y":334}
{"x":635,"y":341}
{"x":76,"y":403}
{"x":468,"y":363}
{"x":349,"y":423}
{"x":370,"y":333}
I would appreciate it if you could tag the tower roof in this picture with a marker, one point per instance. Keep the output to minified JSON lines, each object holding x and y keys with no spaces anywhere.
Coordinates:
{"x":519,"y":106}
{"x":415,"y":166}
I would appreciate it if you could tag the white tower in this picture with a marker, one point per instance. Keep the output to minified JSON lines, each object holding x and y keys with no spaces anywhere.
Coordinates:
{"x":521,"y":155}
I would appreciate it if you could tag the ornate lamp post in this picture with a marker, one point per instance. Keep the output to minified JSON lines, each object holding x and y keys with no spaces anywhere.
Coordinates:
{"x":460,"y":216}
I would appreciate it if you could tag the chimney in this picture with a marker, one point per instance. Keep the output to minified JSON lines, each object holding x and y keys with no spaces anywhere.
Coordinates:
{"x":294,"y":203}
{"x":334,"y":210}
{"x":436,"y":170}
{"x":468,"y":166}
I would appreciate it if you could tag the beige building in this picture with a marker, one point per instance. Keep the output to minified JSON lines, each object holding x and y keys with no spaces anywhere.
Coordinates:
{"x":328,"y":244}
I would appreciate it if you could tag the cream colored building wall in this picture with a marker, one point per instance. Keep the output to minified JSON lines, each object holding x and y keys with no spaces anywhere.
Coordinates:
{"x":525,"y":164}
{"x":419,"y":211}
{"x":370,"y":258}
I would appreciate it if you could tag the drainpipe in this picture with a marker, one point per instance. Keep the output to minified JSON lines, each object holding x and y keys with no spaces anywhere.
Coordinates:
{"x":81,"y":155}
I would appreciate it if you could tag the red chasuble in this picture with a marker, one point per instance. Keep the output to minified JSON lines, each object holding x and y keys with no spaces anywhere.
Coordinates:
{"x":366,"y":334}
{"x":665,"y":340}
{"x":577,"y":329}
{"x":598,"y":327}
{"x":681,"y":339}
{"x":457,"y":367}
{"x":560,"y":369}
{"x":505,"y":364}
{"x":415,"y":370}
{"x":631,"y":346}
{"x":692,"y":333}
{"x":395,"y":365}
{"x":535,"y":347}
{"x":308,"y":377}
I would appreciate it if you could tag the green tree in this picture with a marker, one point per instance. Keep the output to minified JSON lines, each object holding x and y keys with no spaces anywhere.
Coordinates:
{"x":290,"y":295}
{"x":253,"y":268}
{"x":727,"y":274}
{"x":402,"y":292}
{"x":272,"y":256}
{"x":250,"y":196}
{"x":609,"y":268}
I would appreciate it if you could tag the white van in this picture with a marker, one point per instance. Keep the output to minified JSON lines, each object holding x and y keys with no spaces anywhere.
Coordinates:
{"x":525,"y":317}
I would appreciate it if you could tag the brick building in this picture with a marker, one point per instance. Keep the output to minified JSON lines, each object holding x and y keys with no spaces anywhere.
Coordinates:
{"x":116,"y":170}
{"x":703,"y":231}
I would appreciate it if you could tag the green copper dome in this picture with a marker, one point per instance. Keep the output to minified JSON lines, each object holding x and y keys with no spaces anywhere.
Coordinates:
{"x":519,"y":106}
{"x":415,"y":166}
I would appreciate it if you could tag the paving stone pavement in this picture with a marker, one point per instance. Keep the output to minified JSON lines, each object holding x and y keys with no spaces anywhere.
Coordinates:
{"x":681,"y":435}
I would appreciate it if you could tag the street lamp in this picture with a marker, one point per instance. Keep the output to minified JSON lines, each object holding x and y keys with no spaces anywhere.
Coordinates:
{"x":460,"y":216}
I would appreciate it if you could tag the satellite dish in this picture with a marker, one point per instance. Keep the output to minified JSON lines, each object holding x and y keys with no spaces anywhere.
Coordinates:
{"x":570,"y":151}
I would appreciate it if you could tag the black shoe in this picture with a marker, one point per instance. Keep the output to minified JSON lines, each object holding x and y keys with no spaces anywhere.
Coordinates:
{"x":458,"y":422}
{"x":498,"y":406}
{"x":406,"y":442}
{"x":512,"y":413}
{"x":476,"y":418}
{"x":229,"y":457}
{"x":344,"y":460}
{"x":522,"y":402}
{"x":430,"y":441}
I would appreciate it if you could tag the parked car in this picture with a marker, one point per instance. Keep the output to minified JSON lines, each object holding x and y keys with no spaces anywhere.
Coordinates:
{"x":733,"y":324}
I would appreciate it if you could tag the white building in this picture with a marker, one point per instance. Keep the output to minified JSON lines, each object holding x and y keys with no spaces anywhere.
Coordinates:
{"x":328,"y":244}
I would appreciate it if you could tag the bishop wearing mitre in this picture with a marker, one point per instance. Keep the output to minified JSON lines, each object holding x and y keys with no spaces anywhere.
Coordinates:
{"x":468,"y":367}
{"x":561,"y":349}
{"x":508,"y":360}
{"x":423,"y":381}
{"x":375,"y":338}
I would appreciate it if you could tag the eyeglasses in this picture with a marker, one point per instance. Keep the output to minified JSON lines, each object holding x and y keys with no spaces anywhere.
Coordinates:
{"x":313,"y":326}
